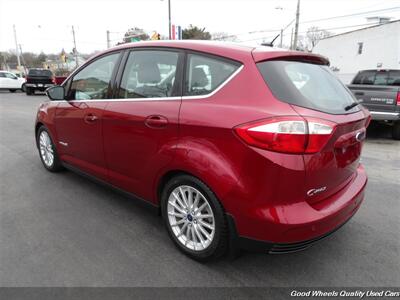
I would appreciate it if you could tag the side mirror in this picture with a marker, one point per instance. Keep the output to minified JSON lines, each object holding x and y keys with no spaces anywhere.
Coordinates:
{"x":56,"y":92}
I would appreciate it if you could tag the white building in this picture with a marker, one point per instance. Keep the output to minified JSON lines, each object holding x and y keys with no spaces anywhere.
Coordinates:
{"x":368,"y":48}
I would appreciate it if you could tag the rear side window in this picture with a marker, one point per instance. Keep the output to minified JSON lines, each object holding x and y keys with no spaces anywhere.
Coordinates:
{"x":308,"y":85}
{"x":37,"y":72}
{"x":205,"y":74}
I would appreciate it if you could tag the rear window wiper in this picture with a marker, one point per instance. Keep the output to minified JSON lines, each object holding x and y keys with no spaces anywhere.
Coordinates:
{"x":350,"y":106}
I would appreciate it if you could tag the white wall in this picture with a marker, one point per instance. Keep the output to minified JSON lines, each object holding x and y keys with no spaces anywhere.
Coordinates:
{"x":381,"y":44}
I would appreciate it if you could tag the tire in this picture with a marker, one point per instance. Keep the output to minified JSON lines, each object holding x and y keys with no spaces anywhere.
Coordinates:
{"x":47,"y":151}
{"x":23,"y":88}
{"x":29,"y":91}
{"x":396,"y":130}
{"x":190,"y":230}
{"x":12,"y":90}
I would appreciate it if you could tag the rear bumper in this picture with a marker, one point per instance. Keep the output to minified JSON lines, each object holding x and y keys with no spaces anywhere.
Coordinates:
{"x":39,"y":85}
{"x":301,"y":225}
{"x":382,"y":115}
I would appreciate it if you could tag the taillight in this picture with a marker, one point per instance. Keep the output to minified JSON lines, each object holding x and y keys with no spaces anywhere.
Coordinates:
{"x":398,"y":98}
{"x":53,"y":79}
{"x":287,"y":134}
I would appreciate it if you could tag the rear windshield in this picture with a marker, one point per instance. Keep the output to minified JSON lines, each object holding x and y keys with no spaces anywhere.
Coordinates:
{"x":308,"y":85}
{"x":381,"y":77}
{"x":36,"y":72}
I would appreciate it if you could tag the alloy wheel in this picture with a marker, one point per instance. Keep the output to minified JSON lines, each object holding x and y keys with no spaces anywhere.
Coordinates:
{"x":46,"y":149}
{"x":191,"y":218}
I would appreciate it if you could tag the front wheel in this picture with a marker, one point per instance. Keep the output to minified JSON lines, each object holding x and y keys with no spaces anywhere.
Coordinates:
{"x":47,"y":151}
{"x":29,"y":91}
{"x":194,"y":218}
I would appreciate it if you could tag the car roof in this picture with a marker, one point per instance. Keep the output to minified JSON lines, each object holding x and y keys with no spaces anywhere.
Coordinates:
{"x":231,"y":50}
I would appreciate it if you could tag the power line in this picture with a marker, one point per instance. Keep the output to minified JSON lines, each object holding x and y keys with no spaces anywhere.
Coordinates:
{"x":330,"y":28}
{"x":352,"y":15}
{"x":315,"y":20}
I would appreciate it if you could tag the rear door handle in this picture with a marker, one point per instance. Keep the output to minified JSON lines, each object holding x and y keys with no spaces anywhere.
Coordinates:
{"x":90,"y":118}
{"x":156,"y":121}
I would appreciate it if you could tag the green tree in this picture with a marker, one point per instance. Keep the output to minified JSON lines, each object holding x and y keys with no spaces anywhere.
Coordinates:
{"x":195,"y":33}
{"x":136,"y":34}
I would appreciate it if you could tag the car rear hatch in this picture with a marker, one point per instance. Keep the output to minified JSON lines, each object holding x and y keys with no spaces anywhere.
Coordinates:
{"x":335,"y":125}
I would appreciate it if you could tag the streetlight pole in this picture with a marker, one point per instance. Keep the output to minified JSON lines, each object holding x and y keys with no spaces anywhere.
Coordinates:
{"x":169,"y":19}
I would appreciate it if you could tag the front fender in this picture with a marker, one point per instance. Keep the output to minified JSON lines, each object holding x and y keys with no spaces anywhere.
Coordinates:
{"x":45,"y":115}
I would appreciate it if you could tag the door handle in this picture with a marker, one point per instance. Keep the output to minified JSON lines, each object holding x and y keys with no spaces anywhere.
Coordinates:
{"x":90,"y":118}
{"x":156,"y":121}
{"x":359,"y":93}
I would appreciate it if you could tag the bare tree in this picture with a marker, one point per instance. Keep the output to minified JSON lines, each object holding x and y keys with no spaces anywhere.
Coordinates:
{"x":314,"y":35}
{"x":223,"y":36}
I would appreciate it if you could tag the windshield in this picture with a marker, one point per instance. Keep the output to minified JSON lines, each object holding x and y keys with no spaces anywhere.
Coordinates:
{"x":37,"y":72}
{"x":308,"y":85}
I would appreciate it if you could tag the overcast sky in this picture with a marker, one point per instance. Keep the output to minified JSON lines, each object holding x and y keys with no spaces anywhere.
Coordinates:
{"x":45,"y":25}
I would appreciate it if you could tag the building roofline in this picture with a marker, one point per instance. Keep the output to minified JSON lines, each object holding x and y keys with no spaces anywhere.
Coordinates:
{"x":372,"y":26}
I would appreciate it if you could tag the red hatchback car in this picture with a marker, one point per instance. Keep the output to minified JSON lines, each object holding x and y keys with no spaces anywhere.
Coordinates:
{"x":238,"y":147}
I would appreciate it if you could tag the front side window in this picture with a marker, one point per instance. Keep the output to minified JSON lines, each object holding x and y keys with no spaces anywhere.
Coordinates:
{"x":149,"y":74}
{"x":11,"y":76}
{"x":204,"y":74}
{"x":93,"y":82}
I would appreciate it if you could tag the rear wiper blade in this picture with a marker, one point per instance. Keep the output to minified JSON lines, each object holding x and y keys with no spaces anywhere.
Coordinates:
{"x":350,"y":106}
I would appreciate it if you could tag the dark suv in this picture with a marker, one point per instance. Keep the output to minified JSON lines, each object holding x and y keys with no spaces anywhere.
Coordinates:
{"x":39,"y":80}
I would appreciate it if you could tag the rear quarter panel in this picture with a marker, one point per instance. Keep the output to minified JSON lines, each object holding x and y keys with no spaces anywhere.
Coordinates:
{"x":243,"y":178}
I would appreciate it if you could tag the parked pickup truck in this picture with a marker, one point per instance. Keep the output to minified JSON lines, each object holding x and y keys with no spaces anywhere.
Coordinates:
{"x":379,"y":92}
{"x":38,"y":80}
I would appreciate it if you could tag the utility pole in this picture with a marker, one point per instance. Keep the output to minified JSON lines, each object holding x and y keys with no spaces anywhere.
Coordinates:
{"x":108,"y":39}
{"x":75,"y":51}
{"x":296,"y":30}
{"x":169,"y":19}
{"x":291,"y":40}
{"x":23,"y":59}
{"x":280,"y":44}
{"x":16,"y":47}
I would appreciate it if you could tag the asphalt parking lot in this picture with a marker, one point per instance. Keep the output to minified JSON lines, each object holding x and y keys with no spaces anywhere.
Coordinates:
{"x":64,"y":230}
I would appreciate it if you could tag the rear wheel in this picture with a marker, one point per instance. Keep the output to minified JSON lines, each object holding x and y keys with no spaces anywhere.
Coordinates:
{"x":23,"y":88}
{"x":396,"y":130}
{"x":194,"y":218}
{"x":47,"y":151}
